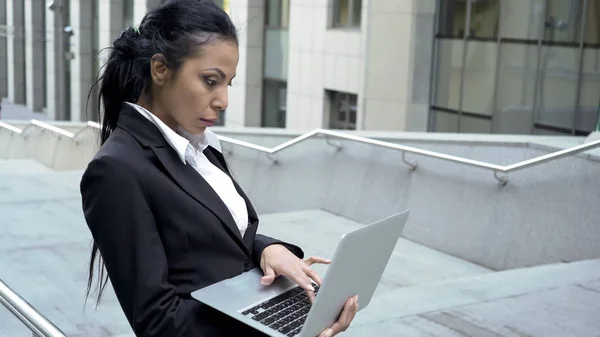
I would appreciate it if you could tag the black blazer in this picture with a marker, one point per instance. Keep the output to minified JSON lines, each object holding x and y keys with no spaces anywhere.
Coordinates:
{"x":163,"y":232}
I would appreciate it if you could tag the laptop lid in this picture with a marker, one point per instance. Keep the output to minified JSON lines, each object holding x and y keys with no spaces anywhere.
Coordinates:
{"x":356,"y":269}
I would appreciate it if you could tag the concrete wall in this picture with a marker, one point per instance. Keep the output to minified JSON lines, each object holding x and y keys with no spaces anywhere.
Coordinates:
{"x":545,"y":214}
{"x":56,"y":151}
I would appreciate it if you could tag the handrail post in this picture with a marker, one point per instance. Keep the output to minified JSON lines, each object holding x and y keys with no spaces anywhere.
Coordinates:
{"x":413,"y":166}
{"x":502,"y":179}
{"x":338,"y":146}
{"x":272,"y":159}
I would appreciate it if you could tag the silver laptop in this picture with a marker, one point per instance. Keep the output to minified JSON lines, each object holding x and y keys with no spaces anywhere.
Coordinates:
{"x":283,"y":309}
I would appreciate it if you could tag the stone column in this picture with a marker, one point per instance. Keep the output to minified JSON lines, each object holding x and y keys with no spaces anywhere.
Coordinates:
{"x":15,"y":17}
{"x":140,"y":8}
{"x":35,"y":54}
{"x":3,"y":60}
{"x":57,"y":106}
{"x":110,"y":26}
{"x":386,"y":86}
{"x":245,"y":97}
{"x":82,"y":66}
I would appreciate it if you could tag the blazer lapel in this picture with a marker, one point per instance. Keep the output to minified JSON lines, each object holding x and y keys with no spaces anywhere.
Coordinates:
{"x":185,"y":176}
{"x":218,"y":160}
{"x":193,"y":184}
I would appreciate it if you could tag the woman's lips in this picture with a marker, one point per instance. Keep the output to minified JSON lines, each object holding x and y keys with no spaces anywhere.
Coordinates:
{"x":208,"y":122}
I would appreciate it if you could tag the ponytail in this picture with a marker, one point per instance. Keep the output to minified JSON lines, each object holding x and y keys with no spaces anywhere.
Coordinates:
{"x":125,"y":75}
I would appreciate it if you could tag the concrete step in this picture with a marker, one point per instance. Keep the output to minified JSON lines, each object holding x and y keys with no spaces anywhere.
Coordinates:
{"x":551,"y":300}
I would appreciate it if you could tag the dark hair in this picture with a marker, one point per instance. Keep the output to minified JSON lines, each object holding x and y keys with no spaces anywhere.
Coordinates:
{"x":175,"y":29}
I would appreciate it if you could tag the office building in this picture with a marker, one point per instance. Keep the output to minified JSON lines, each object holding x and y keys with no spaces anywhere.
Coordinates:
{"x":480,"y":66}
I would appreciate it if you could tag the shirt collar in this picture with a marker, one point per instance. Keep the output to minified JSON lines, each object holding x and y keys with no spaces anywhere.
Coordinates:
{"x":178,"y":143}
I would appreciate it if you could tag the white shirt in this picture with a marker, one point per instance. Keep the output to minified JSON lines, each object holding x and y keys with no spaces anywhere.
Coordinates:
{"x":190,"y":149}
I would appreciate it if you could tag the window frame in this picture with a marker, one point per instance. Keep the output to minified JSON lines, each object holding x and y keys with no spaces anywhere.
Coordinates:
{"x":334,"y":11}
{"x":281,"y":86}
{"x":342,"y":102}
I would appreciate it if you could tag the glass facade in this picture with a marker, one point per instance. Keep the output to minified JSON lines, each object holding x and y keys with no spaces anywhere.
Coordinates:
{"x":516,"y":66}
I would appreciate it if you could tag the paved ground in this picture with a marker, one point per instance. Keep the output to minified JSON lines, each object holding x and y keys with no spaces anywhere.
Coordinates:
{"x":44,"y":247}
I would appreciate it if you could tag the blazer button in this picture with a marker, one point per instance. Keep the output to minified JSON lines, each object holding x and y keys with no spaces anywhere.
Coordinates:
{"x":247,"y":265}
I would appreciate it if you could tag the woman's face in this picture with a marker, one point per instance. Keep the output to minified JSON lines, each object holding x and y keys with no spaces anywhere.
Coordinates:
{"x":194,"y":97}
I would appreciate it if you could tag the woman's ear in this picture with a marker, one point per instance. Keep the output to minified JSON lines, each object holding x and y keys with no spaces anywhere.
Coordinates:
{"x":159,"y":70}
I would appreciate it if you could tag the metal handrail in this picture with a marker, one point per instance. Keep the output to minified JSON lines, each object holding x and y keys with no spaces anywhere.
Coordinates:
{"x":496,"y":169}
{"x":10,"y":128}
{"x":52,"y":128}
{"x":38,"y":324}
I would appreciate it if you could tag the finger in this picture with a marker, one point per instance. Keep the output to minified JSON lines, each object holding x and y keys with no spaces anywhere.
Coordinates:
{"x":354,"y":310}
{"x":269,"y":277}
{"x":315,"y":259}
{"x":298,"y":276}
{"x":346,"y":316}
{"x":313,"y":275}
{"x":326,"y":333}
{"x":305,"y":283}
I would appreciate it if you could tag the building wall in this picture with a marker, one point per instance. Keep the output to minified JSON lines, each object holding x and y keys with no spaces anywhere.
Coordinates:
{"x":377,"y":62}
{"x":319,"y":58}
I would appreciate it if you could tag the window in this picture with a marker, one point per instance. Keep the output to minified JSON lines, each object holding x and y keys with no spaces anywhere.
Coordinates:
{"x":516,"y":66}
{"x":274,"y":104}
{"x":346,"y":13}
{"x":343,"y":110}
{"x":277,"y":13}
{"x":483,"y":22}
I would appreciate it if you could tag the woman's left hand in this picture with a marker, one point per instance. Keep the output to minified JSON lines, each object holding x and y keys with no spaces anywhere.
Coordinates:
{"x":277,"y":260}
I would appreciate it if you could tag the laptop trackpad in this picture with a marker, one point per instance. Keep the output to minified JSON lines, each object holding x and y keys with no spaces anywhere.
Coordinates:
{"x":241,"y":291}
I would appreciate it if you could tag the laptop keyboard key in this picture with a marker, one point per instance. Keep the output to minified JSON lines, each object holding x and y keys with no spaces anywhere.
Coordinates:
{"x":295,"y":332}
{"x":286,"y":329}
{"x":277,"y":325}
{"x":261,"y":316}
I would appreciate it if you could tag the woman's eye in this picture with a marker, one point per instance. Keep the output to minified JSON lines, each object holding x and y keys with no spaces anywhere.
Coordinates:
{"x":211,"y":82}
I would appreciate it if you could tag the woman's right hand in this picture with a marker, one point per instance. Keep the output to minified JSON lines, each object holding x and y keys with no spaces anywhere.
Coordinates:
{"x":346,"y":317}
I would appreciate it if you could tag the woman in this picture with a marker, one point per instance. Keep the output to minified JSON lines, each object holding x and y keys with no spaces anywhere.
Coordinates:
{"x":165,"y":215}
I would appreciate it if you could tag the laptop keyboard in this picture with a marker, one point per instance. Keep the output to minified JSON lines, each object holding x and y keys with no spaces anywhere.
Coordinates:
{"x":285,"y":313}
